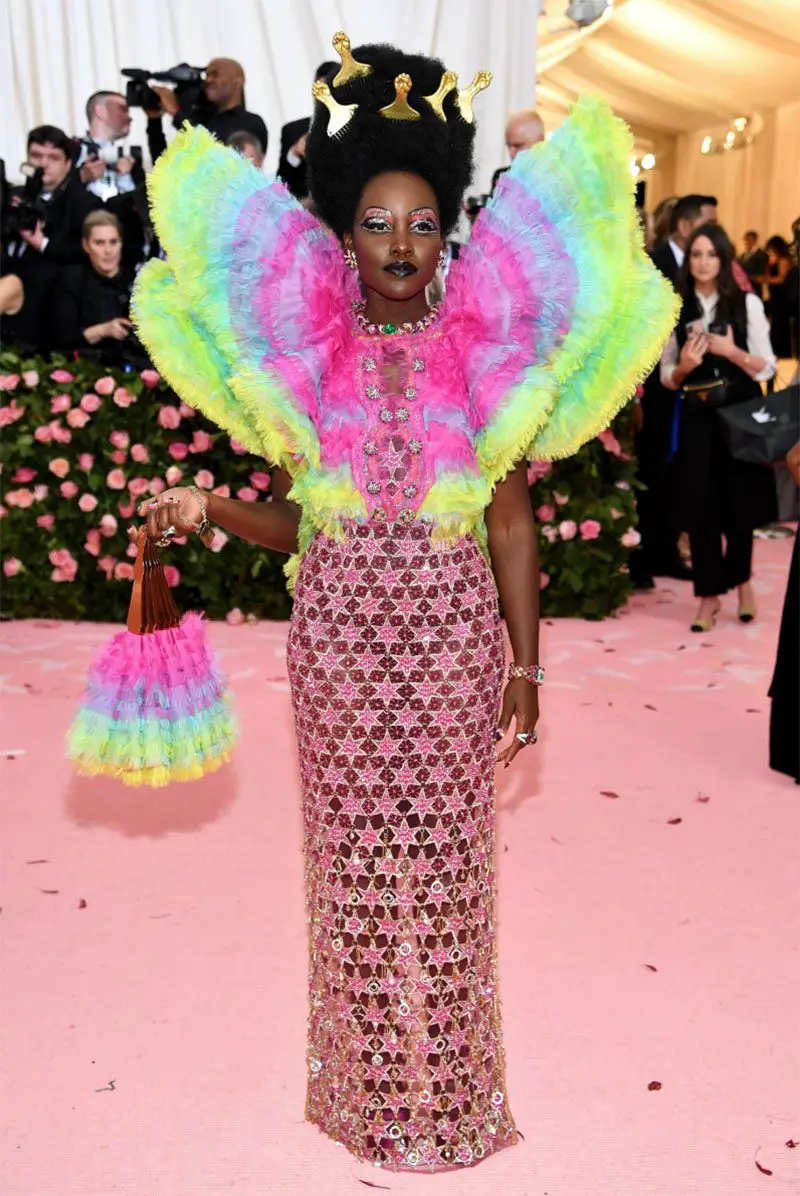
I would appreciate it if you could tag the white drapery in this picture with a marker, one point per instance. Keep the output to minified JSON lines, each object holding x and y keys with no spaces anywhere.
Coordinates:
{"x":59,"y":51}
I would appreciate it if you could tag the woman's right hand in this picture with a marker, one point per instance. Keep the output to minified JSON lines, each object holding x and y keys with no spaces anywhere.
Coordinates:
{"x":118,"y":328}
{"x":176,"y":508}
{"x":693,"y":352}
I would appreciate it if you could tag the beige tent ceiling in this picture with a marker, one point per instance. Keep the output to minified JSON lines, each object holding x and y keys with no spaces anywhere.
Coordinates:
{"x":673,"y":66}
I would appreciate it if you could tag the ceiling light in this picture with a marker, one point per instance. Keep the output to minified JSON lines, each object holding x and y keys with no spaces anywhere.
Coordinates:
{"x":648,"y":161}
{"x":705,"y":148}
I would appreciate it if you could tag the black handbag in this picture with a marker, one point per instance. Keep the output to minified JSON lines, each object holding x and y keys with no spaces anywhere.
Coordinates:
{"x":709,"y":396}
{"x":763,"y":430}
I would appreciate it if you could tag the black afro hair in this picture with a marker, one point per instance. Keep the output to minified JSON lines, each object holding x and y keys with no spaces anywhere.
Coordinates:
{"x":441,"y":152}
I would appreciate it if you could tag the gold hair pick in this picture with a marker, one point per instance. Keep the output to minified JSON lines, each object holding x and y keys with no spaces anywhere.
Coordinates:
{"x":400,"y":109}
{"x":340,"y":114}
{"x":350,"y":69}
{"x":467,"y":95}
{"x":436,"y":101}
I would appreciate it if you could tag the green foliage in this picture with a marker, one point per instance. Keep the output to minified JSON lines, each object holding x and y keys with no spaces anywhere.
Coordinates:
{"x":73,"y":569}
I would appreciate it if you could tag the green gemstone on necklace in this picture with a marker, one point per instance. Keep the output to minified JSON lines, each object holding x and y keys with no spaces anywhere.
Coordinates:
{"x":390,"y":328}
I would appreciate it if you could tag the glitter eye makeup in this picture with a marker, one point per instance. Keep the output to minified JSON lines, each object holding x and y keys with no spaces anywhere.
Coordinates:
{"x":374,"y":218}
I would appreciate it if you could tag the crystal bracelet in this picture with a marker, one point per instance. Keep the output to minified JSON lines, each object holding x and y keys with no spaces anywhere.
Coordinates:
{"x":532,"y":673}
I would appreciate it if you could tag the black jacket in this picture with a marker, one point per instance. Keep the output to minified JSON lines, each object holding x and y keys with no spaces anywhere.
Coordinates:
{"x":66,"y":211}
{"x":294,"y":177}
{"x":84,"y":298}
{"x":221,"y":124}
{"x":663,"y":257}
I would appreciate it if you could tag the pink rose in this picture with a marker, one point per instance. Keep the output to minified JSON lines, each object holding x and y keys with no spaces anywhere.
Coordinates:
{"x":92,"y":548}
{"x":60,"y":557}
{"x":3,"y":511}
{"x":11,"y":566}
{"x":42,"y":434}
{"x":186,"y":411}
{"x":590,"y":529}
{"x":568,"y":529}
{"x":234,"y":617}
{"x":223,"y":491}
{"x":62,"y":377}
{"x":561,"y":499}
{"x":115,"y":480}
{"x":119,"y":439}
{"x":150,"y":378}
{"x":259,"y":480}
{"x":131,"y":550}
{"x":59,"y":466}
{"x":119,"y":456}
{"x":67,"y":574}
{"x":23,"y":476}
{"x":631,"y":538}
{"x":60,"y":435}
{"x":87,"y":503}
{"x":9,"y":381}
{"x":30,"y":378}
{"x":544,"y":581}
{"x":201,"y":442}
{"x":68,"y":489}
{"x":108,"y":525}
{"x":60,"y":403}
{"x":623,"y":485}
{"x":615,"y":514}
{"x":178,"y":450}
{"x":204,"y":479}
{"x":122,"y":397}
{"x":550,"y":534}
{"x":123,"y":571}
{"x":173,"y":475}
{"x":126,"y":509}
{"x":10,"y":414}
{"x":107,"y":563}
{"x":537,"y":470}
{"x":219,"y":541}
{"x":237,"y":447}
{"x":139,"y":453}
{"x":105,"y":386}
{"x":610,"y":443}
{"x":546,"y":513}
{"x":90,"y":403}
{"x":93,"y":536}
{"x":41,"y":492}
{"x":77,"y":418}
{"x":86,"y":461}
{"x":20,"y":498}
{"x":137,"y":487}
{"x":172,"y":575}
{"x":169,"y":417}
{"x":45,"y":521}
{"x":247,"y":494}
{"x":157,"y":485}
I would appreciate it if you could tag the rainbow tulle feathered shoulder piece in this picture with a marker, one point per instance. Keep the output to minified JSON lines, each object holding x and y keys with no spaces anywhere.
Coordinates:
{"x":155,"y":708}
{"x":243,"y":315}
{"x":558,"y":309}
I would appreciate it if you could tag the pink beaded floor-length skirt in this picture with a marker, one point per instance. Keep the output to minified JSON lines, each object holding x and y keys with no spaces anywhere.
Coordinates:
{"x":396,"y":659}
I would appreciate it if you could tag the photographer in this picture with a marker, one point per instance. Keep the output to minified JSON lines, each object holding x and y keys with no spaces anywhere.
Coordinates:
{"x":294,"y":135}
{"x":104,"y":169}
{"x":42,"y":233}
{"x":92,"y":301}
{"x":219,"y":108}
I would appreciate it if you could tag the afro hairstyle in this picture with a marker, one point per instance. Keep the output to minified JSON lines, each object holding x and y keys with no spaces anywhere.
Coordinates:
{"x":441,"y":152}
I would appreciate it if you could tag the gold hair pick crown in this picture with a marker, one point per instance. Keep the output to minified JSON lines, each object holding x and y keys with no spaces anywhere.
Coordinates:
{"x":340,"y":114}
{"x":400,"y":109}
{"x":436,"y":101}
{"x":467,"y":95}
{"x":350,"y":69}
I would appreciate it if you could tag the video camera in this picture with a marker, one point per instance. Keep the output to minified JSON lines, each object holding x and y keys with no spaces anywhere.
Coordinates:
{"x":188,"y":81}
{"x":26,"y":214}
{"x":109,"y":154}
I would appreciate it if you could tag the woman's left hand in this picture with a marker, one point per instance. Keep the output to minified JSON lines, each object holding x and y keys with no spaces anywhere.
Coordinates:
{"x":722,"y":346}
{"x":520,"y":702}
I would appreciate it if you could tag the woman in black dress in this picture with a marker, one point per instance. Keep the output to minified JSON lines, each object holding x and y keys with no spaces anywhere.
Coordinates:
{"x":779,"y":305}
{"x":720,"y":347}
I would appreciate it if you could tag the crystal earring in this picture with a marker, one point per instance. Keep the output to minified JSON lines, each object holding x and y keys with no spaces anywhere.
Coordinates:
{"x":350,"y":257}
{"x":442,"y":258}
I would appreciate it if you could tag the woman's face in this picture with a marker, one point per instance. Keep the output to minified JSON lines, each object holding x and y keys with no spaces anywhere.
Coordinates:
{"x":704,"y":262}
{"x":104,"y":247}
{"x":397,"y":235}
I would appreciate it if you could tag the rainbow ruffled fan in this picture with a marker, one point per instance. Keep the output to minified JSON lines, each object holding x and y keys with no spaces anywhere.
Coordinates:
{"x":155,"y":708}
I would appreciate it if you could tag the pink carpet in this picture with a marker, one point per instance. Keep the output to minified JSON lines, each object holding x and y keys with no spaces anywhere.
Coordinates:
{"x":154,"y":970}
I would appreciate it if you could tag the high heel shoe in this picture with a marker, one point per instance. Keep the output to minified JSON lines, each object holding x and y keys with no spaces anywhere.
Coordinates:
{"x":747,"y":613}
{"x":707,"y":624}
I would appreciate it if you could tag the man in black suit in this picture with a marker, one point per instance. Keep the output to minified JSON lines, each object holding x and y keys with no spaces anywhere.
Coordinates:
{"x":658,"y":525}
{"x":523,"y":130}
{"x":220,"y":108}
{"x":292,"y":165}
{"x":39,"y":256}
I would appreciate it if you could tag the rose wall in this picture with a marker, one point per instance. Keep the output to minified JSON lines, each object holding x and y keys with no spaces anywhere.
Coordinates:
{"x":81,"y":446}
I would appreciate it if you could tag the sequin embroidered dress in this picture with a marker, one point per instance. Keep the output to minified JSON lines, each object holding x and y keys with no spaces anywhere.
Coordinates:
{"x":395,"y":651}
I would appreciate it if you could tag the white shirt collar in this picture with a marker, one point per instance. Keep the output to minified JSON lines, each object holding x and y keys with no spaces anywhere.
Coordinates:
{"x":677,"y":252}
